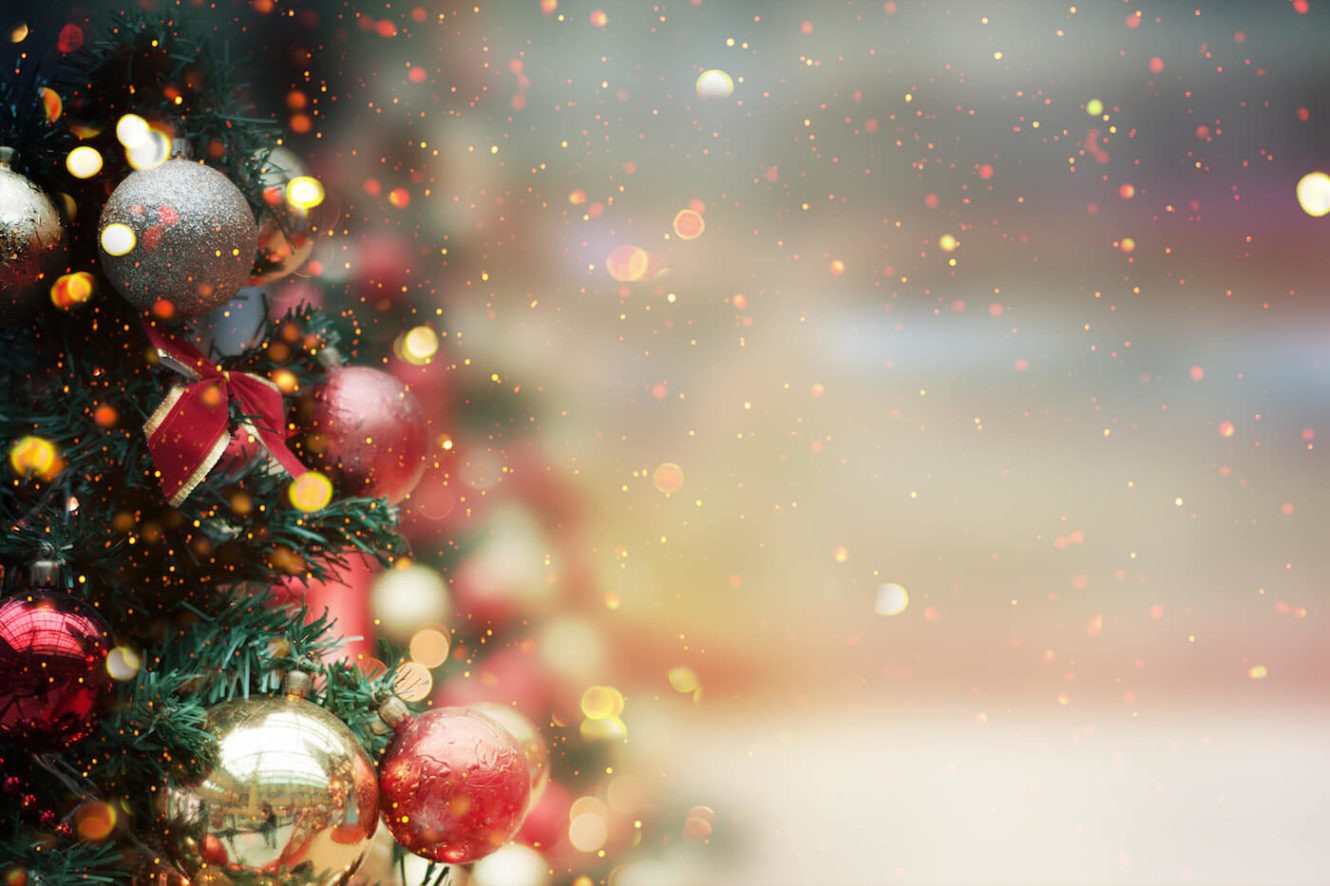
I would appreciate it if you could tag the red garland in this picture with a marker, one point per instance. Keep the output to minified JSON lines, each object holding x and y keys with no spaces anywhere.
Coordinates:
{"x":190,"y":430}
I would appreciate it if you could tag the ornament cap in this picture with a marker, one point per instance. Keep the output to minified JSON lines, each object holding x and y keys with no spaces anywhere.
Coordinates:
{"x":298,"y":684}
{"x":180,"y":149}
{"x":7,"y":156}
{"x":329,"y":357}
{"x":44,"y":574}
{"x":394,"y":712}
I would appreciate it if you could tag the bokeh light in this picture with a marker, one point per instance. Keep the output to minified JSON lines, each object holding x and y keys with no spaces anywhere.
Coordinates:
{"x":408,"y":597}
{"x":151,"y":151}
{"x":418,"y":345}
{"x":714,"y":83}
{"x":627,"y":263}
{"x":84,"y":162}
{"x":304,"y":192}
{"x":429,"y":647}
{"x":95,"y":821}
{"x":689,"y":224}
{"x":34,"y":456}
{"x":667,"y":478}
{"x":132,"y":130}
{"x":892,"y":599}
{"x":118,"y":239}
{"x":683,"y":679}
{"x":311,"y":491}
{"x":511,"y":865}
{"x":1314,"y":194}
{"x":599,"y":702}
{"x":123,"y":663}
{"x":413,"y":682}
{"x":73,"y":289}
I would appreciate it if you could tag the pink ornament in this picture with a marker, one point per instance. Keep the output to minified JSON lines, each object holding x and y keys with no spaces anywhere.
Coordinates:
{"x":367,"y":432}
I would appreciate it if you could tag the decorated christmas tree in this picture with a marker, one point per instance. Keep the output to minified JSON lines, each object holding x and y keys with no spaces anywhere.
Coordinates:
{"x":205,"y":470}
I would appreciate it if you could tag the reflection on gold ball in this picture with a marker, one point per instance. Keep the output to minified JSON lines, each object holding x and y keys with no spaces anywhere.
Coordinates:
{"x":292,"y":795}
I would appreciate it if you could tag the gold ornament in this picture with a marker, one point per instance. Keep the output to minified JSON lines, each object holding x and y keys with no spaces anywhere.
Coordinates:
{"x":286,"y":227}
{"x":292,"y":798}
{"x":177,"y":239}
{"x":32,"y":243}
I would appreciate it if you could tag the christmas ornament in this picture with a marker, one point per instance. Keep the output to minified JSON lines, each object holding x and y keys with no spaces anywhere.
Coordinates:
{"x":190,"y":430}
{"x":291,"y":796}
{"x":53,"y":650}
{"x":286,"y":226}
{"x":32,"y":242}
{"x":455,"y":783}
{"x":178,"y":239}
{"x":534,"y":747}
{"x":366,"y":431}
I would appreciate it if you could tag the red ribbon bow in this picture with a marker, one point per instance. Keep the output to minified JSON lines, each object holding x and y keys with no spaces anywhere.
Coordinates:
{"x":190,"y":430}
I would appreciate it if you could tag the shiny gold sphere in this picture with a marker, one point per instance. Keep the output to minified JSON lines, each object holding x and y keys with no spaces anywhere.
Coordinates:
{"x":292,"y":799}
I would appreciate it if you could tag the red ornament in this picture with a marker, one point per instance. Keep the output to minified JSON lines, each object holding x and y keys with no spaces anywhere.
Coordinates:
{"x":53,"y":651}
{"x":368,"y":433}
{"x":453,"y":785}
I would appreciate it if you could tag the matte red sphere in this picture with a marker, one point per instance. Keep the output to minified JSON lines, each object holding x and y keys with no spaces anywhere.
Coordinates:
{"x":368,"y":433}
{"x":453,"y":785}
{"x":53,"y":673}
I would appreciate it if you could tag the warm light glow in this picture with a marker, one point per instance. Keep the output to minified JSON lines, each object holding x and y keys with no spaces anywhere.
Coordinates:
{"x":588,"y":832}
{"x":311,"y":491}
{"x":413,"y":682}
{"x":688,"y":224}
{"x":94,"y":821}
{"x":35,"y":456}
{"x":627,"y":263}
{"x":430,"y":647}
{"x":599,"y":702}
{"x":419,"y":345}
{"x":153,"y":151}
{"x":714,"y":84}
{"x":304,"y":192}
{"x":408,"y":597}
{"x":684,"y":679}
{"x":123,"y":663}
{"x":892,"y":599}
{"x":72,"y":289}
{"x":131,"y":130}
{"x":118,"y":239}
{"x":1314,"y":194}
{"x":84,"y":162}
{"x":667,"y":478}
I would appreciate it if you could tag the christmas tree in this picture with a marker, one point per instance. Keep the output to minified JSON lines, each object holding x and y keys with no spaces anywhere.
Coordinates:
{"x":198,"y":463}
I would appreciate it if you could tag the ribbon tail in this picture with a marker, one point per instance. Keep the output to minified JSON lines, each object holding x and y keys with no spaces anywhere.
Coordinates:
{"x":262,"y":401}
{"x":186,"y":438}
{"x":201,"y":473}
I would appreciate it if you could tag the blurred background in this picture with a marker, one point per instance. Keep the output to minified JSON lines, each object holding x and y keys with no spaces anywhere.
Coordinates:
{"x":907,"y":417}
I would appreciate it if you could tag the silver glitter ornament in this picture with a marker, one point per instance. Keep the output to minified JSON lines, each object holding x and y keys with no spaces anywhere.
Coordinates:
{"x":32,"y":243}
{"x":190,"y":241}
{"x":291,"y":798}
